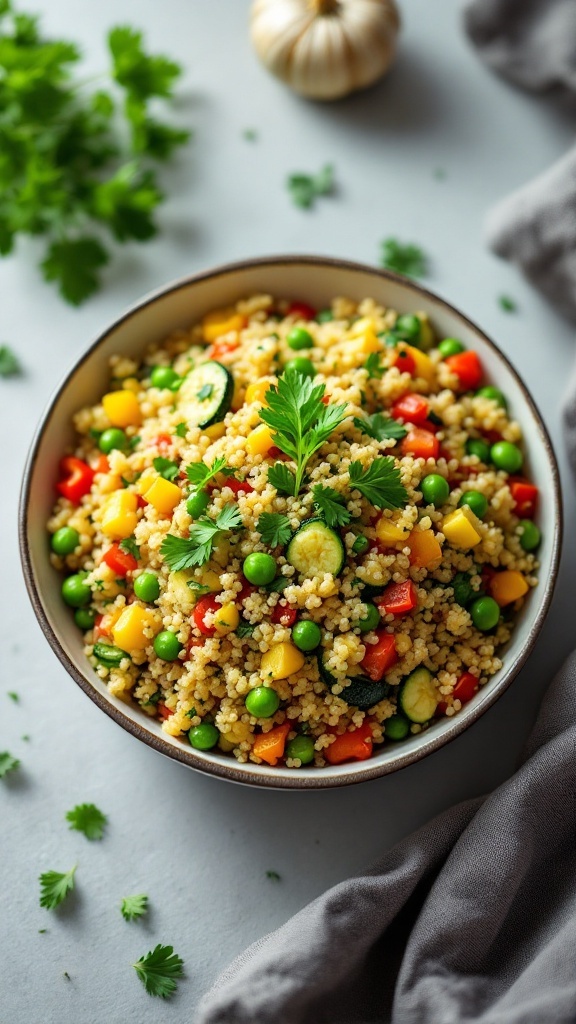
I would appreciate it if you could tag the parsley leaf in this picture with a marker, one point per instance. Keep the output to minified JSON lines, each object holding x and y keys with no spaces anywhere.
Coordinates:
{"x":181,"y":429}
{"x":305,"y":188}
{"x":199,"y":588}
{"x":14,"y":696}
{"x":130,"y":546}
{"x":244,"y":629}
{"x":142,"y":76}
{"x":87,"y":818}
{"x":274,"y":528}
{"x":279,"y":584}
{"x":167,"y":469}
{"x":54,"y":887}
{"x":199,"y":474}
{"x":330,"y":504}
{"x":8,"y":763}
{"x":73,"y":265}
{"x":158,"y":971}
{"x":273,"y":876}
{"x":282,"y":478}
{"x":300,"y":421}
{"x":133,"y":907}
{"x":381,"y":427}
{"x":9,"y":364}
{"x":507,"y":304}
{"x":186,"y":552}
{"x":381,"y":483}
{"x":403,"y":258}
{"x":374,"y":366}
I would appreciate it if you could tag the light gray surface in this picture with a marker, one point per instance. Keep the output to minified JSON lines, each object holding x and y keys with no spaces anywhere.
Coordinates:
{"x":200,"y":847}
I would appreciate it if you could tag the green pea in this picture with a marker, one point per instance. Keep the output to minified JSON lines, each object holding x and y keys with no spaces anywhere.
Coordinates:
{"x":324,"y":316}
{"x":65,"y":540}
{"x":167,"y":645}
{"x":262,"y":702}
{"x":84,"y":618}
{"x":485,"y":613}
{"x":306,"y":635}
{"x":301,"y":747}
{"x":112,"y":438}
{"x":163,"y":377}
{"x":147,"y":587}
{"x":475,"y":501}
{"x":481,"y":449}
{"x":408,"y":327}
{"x":361,"y":544}
{"x":301,"y":365}
{"x":495,"y":394}
{"x":299,"y":338}
{"x":109,"y":655}
{"x":506,"y":456}
{"x":203,"y":736}
{"x":396,"y":727}
{"x":435,"y":489}
{"x":197,"y":503}
{"x":450,"y":347}
{"x":370,"y":620}
{"x":76,"y":592}
{"x":259,"y":568}
{"x":530,"y":536}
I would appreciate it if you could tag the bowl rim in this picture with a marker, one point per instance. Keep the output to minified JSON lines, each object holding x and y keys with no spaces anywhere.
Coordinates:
{"x":235,"y":771}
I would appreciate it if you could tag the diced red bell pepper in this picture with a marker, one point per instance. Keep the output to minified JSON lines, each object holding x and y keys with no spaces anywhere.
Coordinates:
{"x":398,"y":598}
{"x":193,"y":642}
{"x":487,"y":574}
{"x":121,"y":562}
{"x":284,"y":615}
{"x":351,"y":746}
{"x":247,"y":590}
{"x":468,"y":369}
{"x":301,"y":310}
{"x":412,"y":408}
{"x":405,"y":362}
{"x":163,"y":441}
{"x":380,"y":656}
{"x":525,"y":497}
{"x":492,"y":436}
{"x":421,"y":444}
{"x":465,"y":688}
{"x":78,"y":477}
{"x":222,"y":348}
{"x":141,"y":501}
{"x":164,"y":711}
{"x":205,"y":604}
{"x":325,"y":399}
{"x":101,"y":465}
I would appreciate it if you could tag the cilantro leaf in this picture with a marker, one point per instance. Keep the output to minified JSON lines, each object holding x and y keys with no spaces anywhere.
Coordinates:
{"x":158,"y":971}
{"x":181,"y":429}
{"x":130,"y":546}
{"x":87,"y":818}
{"x":381,"y":484}
{"x":244,"y":629}
{"x":273,"y":876}
{"x":8,"y":763}
{"x":305,"y":188}
{"x":198,"y":588}
{"x":507,"y":304}
{"x":403,"y":258}
{"x":186,"y":552}
{"x":381,"y":427}
{"x":9,"y":363}
{"x":300,"y":421}
{"x":142,"y":76}
{"x":73,"y":264}
{"x":464,"y":592}
{"x":13,"y":696}
{"x":274,"y":528}
{"x":330,"y":504}
{"x":282,"y":478}
{"x":279,"y":584}
{"x":166,"y":467}
{"x":133,"y":907}
{"x":199,"y":474}
{"x":54,"y":887}
{"x":374,"y":366}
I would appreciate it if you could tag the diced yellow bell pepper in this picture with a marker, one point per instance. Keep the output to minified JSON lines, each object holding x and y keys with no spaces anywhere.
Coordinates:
{"x":226,"y":618}
{"x":256,"y":392}
{"x":425,"y":550}
{"x":146,"y":480}
{"x":163,"y":495}
{"x":507,"y":586}
{"x":209,"y":577}
{"x":136,"y":628}
{"x":119,"y":517}
{"x":361,"y":326}
{"x":122,"y":408}
{"x":260,"y":441}
{"x":364,"y":334}
{"x":281,"y":661}
{"x":216,"y":431}
{"x":183,"y":596}
{"x":225,"y":743}
{"x":389,"y":533}
{"x":462,"y":528}
{"x":424,"y":365}
{"x":221,"y":321}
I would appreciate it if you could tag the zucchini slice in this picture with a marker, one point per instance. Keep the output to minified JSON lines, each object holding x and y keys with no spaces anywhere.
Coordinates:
{"x":315,"y":549}
{"x":360,"y":692}
{"x":205,"y":394}
{"x":417,"y":697}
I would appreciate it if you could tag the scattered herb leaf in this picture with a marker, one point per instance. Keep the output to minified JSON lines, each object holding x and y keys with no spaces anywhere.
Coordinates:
{"x":158,"y":971}
{"x":199,"y":474}
{"x":166,"y":467}
{"x":273,"y":876}
{"x":381,"y":427}
{"x":374,"y":366}
{"x":250,"y":135}
{"x":133,"y":907}
{"x":9,"y":363}
{"x":54,"y":887}
{"x":8,"y":763}
{"x":381,"y":484}
{"x":181,"y":429}
{"x":199,"y":588}
{"x":130,"y":546}
{"x":13,"y":696}
{"x":282,"y":478}
{"x":330,"y":504}
{"x":304,"y":189}
{"x":403,"y":258}
{"x":87,"y":818}
{"x":186,"y":552}
{"x":279,"y":584}
{"x":274,"y":528}
{"x":244,"y":629}
{"x":507,"y":304}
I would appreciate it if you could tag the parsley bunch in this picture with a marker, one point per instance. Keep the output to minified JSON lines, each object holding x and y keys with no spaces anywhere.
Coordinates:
{"x":301,"y":424}
{"x":77,"y":164}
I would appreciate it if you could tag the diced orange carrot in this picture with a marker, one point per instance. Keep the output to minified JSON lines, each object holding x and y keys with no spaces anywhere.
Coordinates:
{"x":269,"y":746}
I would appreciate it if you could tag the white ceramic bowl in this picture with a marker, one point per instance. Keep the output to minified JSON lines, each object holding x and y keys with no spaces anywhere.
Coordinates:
{"x":315,"y":280}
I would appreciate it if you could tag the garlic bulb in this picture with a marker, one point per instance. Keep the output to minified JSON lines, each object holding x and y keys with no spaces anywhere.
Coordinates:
{"x":325,"y":49}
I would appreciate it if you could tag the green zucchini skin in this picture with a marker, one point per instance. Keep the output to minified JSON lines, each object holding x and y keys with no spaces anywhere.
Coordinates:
{"x":417,"y":697}
{"x":330,"y":554}
{"x":361,"y":692}
{"x":203,"y":412}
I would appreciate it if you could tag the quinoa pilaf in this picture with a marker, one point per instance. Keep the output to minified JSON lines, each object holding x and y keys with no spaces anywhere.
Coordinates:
{"x":295,"y":535}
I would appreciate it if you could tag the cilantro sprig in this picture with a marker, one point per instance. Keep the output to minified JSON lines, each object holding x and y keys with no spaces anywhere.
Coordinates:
{"x":158,"y":971}
{"x":55,"y":886}
{"x":87,"y":818}
{"x":274,"y":528}
{"x":130,"y":546}
{"x":77,"y":162}
{"x":304,"y":189}
{"x":380,"y":483}
{"x":9,"y":362}
{"x":330,"y":504}
{"x":199,"y":474}
{"x":381,"y":427}
{"x":300,"y":422}
{"x":186,"y":552}
{"x":404,"y":258}
{"x":133,"y":907}
{"x":8,"y":763}
{"x":166,"y":467}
